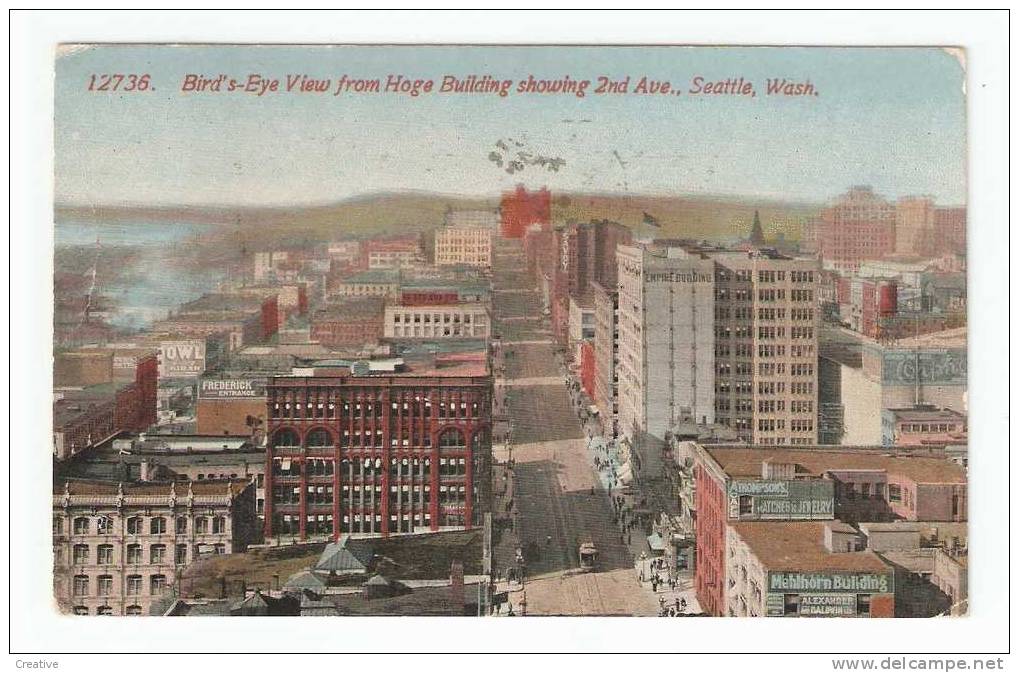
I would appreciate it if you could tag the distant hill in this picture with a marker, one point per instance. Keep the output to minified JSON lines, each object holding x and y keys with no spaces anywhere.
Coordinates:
{"x":699,"y":217}
{"x":361,"y":216}
{"x":687,"y":216}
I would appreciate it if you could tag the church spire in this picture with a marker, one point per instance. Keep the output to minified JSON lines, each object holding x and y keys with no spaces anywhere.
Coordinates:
{"x":757,"y":232}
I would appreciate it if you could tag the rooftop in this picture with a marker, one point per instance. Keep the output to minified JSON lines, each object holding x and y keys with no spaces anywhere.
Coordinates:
{"x":221,"y":301}
{"x":165,"y":488}
{"x":466,"y":363}
{"x":375,"y":276}
{"x":744,"y":462}
{"x":950,"y":338}
{"x":799,"y":546}
{"x":922,"y":414}
{"x":350,"y":307}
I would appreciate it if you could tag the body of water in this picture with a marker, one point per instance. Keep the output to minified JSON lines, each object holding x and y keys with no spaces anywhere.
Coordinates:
{"x":161,"y":276}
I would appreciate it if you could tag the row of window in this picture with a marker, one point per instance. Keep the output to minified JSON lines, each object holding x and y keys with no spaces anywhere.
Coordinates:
{"x":322,"y":438}
{"x":107,"y":610}
{"x":369,"y":410}
{"x":446,"y":318}
{"x":133,"y":584}
{"x":929,"y":427}
{"x":82,"y":525}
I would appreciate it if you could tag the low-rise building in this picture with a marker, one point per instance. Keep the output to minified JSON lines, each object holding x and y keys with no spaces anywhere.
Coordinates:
{"x":353,"y":321}
{"x":791,"y":569}
{"x":459,"y":321}
{"x":374,"y":283}
{"x":393,"y":252}
{"x":741,"y":483}
{"x":471,"y":246}
{"x":117,"y":547}
{"x":922,"y":426}
{"x":231,"y":406}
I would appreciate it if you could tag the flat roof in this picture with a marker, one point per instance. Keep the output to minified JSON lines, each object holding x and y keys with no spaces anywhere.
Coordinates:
{"x":349,"y":306}
{"x":466,"y":364}
{"x":915,"y":414}
{"x":746,"y":462}
{"x":949,"y":338}
{"x":799,"y":546}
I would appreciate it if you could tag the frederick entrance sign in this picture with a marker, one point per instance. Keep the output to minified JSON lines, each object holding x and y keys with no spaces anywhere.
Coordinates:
{"x":231,"y":388}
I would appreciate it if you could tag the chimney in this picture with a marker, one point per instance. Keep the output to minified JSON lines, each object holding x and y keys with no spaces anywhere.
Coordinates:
{"x":456,"y":588}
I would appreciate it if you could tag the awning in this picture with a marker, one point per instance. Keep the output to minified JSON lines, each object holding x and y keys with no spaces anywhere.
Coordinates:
{"x":654,"y":540}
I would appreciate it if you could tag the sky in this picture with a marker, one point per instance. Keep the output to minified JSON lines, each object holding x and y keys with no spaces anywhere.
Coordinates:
{"x":890,"y":118}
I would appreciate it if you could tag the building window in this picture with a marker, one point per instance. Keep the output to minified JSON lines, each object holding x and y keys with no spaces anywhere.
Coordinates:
{"x":157,"y":526}
{"x":134,"y":525}
{"x":105,"y":585}
{"x":201,"y":525}
{"x":58,"y":525}
{"x":80,"y":610}
{"x":181,"y":525}
{"x":286,"y":437}
{"x":157,"y":585}
{"x":81,"y":525}
{"x":134,"y":554}
{"x":746,"y":505}
{"x":218,"y":524}
{"x":134,"y":585}
{"x":104,"y":554}
{"x":792,"y":604}
{"x":319,"y":438}
{"x":180,"y":556}
{"x":81,"y":585}
{"x":894,"y":493}
{"x":105,"y":525}
{"x":80,"y":554}
{"x":157,"y":554}
{"x":133,"y":610}
{"x":863,"y":604}
{"x":452,"y":439}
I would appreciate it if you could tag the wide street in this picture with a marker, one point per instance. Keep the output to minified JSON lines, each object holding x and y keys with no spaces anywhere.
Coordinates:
{"x":556,"y":497}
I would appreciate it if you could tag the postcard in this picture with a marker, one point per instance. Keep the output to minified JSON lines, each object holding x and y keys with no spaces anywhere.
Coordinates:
{"x":510,"y":331}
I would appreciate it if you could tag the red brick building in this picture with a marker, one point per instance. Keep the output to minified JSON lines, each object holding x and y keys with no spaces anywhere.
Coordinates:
{"x":247,"y":319}
{"x":858,"y":226}
{"x":348,"y":322}
{"x":776,"y":484}
{"x":379,"y":448}
{"x":520,"y":209}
